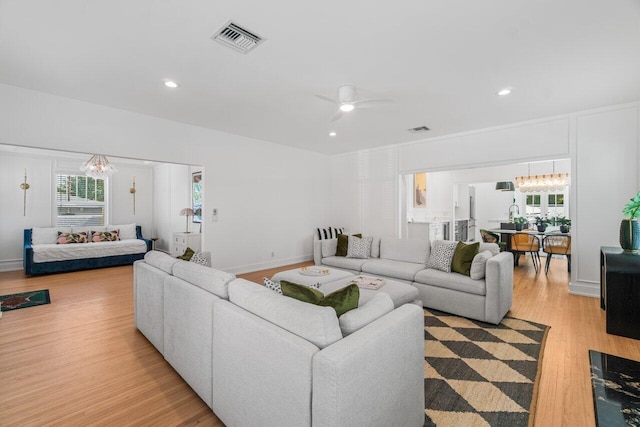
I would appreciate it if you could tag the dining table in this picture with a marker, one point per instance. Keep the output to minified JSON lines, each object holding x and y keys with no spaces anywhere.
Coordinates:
{"x":505,"y":236}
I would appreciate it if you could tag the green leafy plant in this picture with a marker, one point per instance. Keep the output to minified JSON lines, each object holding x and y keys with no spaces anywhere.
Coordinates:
{"x":632,"y":209}
{"x":542,"y":221}
{"x":563,"y":221}
{"x":520,"y":220}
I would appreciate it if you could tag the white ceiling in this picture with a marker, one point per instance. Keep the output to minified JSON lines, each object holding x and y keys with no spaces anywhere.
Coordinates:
{"x":441,"y":61}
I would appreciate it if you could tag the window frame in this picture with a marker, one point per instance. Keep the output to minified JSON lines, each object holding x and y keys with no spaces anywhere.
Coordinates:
{"x":70,"y":172}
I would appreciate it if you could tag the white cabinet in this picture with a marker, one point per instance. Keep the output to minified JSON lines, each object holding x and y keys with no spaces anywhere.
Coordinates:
{"x":181,"y":241}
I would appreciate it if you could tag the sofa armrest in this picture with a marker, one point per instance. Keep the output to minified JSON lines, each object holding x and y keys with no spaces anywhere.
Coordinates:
{"x":27,"y":252}
{"x":148,"y":242}
{"x":499,"y":285}
{"x":317,"y":252}
{"x":375,"y":376}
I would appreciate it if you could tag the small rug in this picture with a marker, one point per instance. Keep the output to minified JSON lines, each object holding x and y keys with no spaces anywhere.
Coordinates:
{"x":25,"y":299}
{"x":616,"y":389}
{"x":479,"y":374}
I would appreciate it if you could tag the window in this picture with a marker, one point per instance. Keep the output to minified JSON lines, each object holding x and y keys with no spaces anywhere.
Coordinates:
{"x":556,"y":205}
{"x":533,"y":207}
{"x":80,"y":200}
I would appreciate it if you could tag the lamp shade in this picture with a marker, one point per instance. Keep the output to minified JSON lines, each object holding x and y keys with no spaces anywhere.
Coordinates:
{"x":505,"y":186}
{"x":186,"y":212}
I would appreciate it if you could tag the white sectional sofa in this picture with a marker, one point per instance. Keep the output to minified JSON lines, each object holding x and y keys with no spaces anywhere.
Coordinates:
{"x":260,"y":358}
{"x":487,"y":299}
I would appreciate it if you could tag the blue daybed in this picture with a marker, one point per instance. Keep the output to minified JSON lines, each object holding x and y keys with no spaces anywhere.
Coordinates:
{"x":32,"y":268}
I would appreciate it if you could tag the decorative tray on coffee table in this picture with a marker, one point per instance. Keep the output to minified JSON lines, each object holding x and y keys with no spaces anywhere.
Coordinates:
{"x":314,"y":271}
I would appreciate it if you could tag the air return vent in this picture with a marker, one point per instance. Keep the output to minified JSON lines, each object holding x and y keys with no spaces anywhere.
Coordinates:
{"x":419,"y":129}
{"x":237,"y":38}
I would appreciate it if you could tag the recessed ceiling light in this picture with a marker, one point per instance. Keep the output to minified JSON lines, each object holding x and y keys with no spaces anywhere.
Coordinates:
{"x":332,"y":134}
{"x":171,"y":84}
{"x":504,"y":92}
{"x":346,"y":107}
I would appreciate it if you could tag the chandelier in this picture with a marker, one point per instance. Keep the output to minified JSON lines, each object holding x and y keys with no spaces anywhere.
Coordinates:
{"x":549,"y":182}
{"x":98,"y":167}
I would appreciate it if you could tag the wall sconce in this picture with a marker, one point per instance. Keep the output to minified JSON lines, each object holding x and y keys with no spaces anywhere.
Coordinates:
{"x":25,"y":186}
{"x":132,"y":190}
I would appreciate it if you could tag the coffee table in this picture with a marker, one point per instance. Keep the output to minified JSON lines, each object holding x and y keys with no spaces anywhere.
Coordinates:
{"x":400,"y":293}
{"x":297,"y":276}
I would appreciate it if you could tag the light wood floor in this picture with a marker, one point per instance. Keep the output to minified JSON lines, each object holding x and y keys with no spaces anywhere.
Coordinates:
{"x":81,"y":361}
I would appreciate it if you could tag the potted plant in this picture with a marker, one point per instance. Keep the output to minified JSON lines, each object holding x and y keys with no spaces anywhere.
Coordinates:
{"x":541,"y":223}
{"x":520,"y":222}
{"x":565,"y":224}
{"x":629,"y":228}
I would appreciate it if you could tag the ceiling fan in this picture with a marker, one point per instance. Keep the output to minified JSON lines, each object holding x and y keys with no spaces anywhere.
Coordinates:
{"x":348,"y":101}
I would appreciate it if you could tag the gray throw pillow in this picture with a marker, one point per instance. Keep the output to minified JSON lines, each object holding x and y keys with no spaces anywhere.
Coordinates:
{"x":479,"y":265}
{"x":359,"y":248}
{"x":199,"y":258}
{"x":442,"y":252}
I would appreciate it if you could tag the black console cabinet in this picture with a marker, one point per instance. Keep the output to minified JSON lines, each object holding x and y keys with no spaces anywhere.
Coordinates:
{"x":620,"y":291}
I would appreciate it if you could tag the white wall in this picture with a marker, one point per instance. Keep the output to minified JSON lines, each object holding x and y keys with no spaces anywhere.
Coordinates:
{"x":41,"y":170}
{"x":602,"y":146}
{"x":270,"y":197}
{"x":172,"y":189}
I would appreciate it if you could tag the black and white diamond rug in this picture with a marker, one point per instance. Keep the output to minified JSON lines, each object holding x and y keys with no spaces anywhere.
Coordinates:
{"x":479,"y":374}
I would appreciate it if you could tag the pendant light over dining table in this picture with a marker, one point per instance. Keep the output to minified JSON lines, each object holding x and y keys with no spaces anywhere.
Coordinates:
{"x":98,"y":167}
{"x":548,"y":182}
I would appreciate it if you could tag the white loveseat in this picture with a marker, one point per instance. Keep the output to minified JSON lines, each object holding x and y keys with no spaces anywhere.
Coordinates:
{"x":487,"y":299}
{"x":259,"y":358}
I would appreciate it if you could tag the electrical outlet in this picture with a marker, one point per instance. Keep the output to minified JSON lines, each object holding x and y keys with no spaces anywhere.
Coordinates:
{"x":214,"y":216}
{"x":273,"y":254}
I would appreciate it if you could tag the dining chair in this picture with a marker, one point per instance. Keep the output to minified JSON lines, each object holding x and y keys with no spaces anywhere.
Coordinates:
{"x":489,"y":237}
{"x":521,"y":243}
{"x":557,"y":244}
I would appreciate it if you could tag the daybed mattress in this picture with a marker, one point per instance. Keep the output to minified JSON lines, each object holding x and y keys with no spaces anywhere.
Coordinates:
{"x":53,"y":252}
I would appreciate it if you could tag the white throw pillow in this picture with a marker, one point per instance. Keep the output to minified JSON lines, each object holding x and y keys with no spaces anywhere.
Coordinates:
{"x":479,"y":265}
{"x":329,"y":247}
{"x":127,"y":231}
{"x":275,"y":286}
{"x":359,"y":248}
{"x":42,"y":236}
{"x":199,"y":258}
{"x":442,"y":253}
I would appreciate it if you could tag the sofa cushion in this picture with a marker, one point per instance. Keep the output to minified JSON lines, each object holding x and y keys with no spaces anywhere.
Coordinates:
{"x":375,"y":308}
{"x":127,"y":231}
{"x":328,"y":233}
{"x":344,"y":262}
{"x":343,"y":243}
{"x":453,"y":281}
{"x":479,"y":265}
{"x":207,"y":278}
{"x":442,"y":255}
{"x":199,"y":258}
{"x":49,"y":235}
{"x":491,"y":247}
{"x":407,"y":250}
{"x":463,"y":258}
{"x":160,"y":260}
{"x":342,"y":300}
{"x":375,"y":247}
{"x":318,"y":325}
{"x":397,"y":269}
{"x":105,"y":236}
{"x":359,"y":247}
{"x":329,"y":247}
{"x":67,"y":238}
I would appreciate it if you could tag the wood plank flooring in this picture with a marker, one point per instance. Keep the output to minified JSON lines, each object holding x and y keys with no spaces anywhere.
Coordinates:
{"x":81,"y":361}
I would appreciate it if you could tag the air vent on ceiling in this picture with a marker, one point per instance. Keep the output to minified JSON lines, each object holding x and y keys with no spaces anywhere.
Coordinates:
{"x":237,"y":38}
{"x":419,"y":129}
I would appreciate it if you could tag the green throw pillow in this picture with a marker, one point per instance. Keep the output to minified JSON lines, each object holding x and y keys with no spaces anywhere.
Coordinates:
{"x":343,"y":243}
{"x":463,"y":258}
{"x":188,"y":253}
{"x":341,"y":301}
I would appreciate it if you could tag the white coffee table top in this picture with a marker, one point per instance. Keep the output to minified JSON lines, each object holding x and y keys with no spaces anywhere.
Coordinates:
{"x":312,"y":275}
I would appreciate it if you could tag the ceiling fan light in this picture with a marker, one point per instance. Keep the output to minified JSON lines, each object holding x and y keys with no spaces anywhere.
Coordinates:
{"x":346,"y":107}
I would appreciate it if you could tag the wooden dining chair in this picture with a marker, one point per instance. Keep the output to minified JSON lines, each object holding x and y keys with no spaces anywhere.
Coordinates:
{"x":489,"y":237}
{"x":557,"y":244}
{"x":521,"y":243}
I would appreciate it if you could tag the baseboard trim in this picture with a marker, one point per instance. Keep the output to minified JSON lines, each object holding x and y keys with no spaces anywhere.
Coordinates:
{"x":10,"y":264}
{"x":585,"y":289}
{"x":241,"y":269}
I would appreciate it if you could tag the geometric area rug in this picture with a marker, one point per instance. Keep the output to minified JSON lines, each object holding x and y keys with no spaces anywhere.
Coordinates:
{"x":480,"y":374}
{"x":25,"y":299}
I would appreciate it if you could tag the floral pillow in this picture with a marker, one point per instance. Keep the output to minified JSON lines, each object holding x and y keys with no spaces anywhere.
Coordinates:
{"x":65,"y":238}
{"x":105,"y":236}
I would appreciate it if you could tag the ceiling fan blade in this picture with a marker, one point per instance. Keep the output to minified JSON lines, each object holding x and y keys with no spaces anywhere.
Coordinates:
{"x":337,"y":116}
{"x":370,"y":102}
{"x":326,"y":98}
